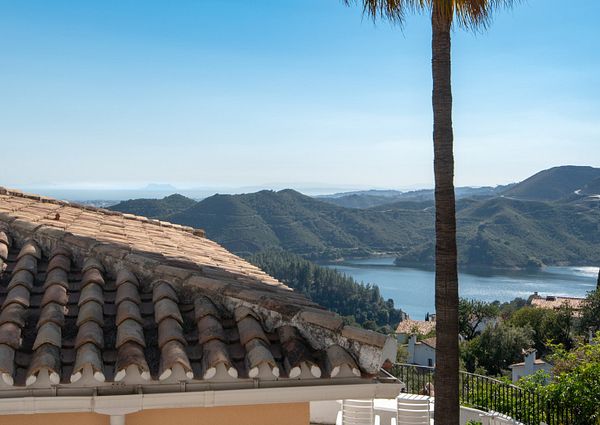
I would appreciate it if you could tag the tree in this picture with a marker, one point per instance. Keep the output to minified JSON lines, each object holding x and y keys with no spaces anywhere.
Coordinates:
{"x":444,"y":13}
{"x":549,"y":326}
{"x":576,"y":382}
{"x":472,"y":314}
{"x":496,"y":348}
{"x":590,"y":312}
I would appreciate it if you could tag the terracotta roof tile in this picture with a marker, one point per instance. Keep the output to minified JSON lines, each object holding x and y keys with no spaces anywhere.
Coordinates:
{"x":57,"y":277}
{"x":130,"y":330}
{"x":61,"y":262}
{"x":337,"y":359}
{"x":10,"y":334}
{"x":166,"y":308}
{"x":27,"y":262}
{"x":18,"y":294}
{"x":209,"y":328}
{"x":30,"y":248}
{"x":55,"y":294}
{"x":173,"y":353}
{"x":13,"y":313}
{"x":127,"y":291}
{"x":48,"y":333}
{"x":90,"y":332}
{"x":169,"y":330}
{"x":52,"y":312}
{"x":215,"y":353}
{"x":22,"y":277}
{"x":46,"y":358}
{"x":88,"y":355}
{"x":127,"y":309}
{"x":409,"y":326}
{"x":131,"y":354}
{"x":92,"y":275}
{"x":92,"y":292}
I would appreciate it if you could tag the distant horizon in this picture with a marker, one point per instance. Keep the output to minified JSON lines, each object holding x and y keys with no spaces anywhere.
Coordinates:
{"x":314,"y":189}
{"x":162,"y":188}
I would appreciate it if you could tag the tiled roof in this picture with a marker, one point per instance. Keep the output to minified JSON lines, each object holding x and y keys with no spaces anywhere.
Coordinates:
{"x":90,"y":297}
{"x":409,"y":326}
{"x":429,"y":342}
{"x":551,"y":302}
{"x":536,"y":361}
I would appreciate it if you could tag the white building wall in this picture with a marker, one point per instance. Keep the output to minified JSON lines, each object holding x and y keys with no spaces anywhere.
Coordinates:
{"x":419,"y":353}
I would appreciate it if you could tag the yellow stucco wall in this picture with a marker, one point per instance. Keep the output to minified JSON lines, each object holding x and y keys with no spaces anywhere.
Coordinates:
{"x":265,"y":414}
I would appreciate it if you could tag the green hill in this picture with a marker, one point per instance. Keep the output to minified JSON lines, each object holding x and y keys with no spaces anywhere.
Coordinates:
{"x":492,"y":231}
{"x":497,"y":232}
{"x":553,"y":184}
{"x":375,"y":198}
{"x":503,"y":232}
{"x":592,"y":187}
{"x":287,"y":219}
{"x":155,"y":208}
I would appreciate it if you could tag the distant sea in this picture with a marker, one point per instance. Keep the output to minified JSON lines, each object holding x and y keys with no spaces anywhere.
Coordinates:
{"x":413,"y":289}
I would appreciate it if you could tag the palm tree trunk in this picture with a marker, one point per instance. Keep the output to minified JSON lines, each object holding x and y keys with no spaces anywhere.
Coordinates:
{"x":447,"y":409}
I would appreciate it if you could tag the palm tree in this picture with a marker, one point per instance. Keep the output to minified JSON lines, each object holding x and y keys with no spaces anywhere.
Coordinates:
{"x":470,"y":14}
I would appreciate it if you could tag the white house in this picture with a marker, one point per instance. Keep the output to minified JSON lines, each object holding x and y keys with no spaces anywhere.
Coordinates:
{"x":421,"y":353}
{"x":530,"y":366}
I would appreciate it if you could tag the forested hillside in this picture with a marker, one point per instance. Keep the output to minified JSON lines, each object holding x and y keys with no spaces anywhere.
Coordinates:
{"x":554,"y":184}
{"x":155,"y":208}
{"x":497,"y":231}
{"x":503,"y":232}
{"x":295,"y":222}
{"x":332,"y":289}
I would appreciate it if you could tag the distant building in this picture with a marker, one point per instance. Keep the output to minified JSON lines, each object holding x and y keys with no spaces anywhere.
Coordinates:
{"x":555,"y":302}
{"x":409,"y":327}
{"x":421,"y":353}
{"x":530,"y":366}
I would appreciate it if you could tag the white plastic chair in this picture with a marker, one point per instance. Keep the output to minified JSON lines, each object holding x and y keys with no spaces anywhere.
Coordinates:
{"x":413,"y":410}
{"x":357,"y":412}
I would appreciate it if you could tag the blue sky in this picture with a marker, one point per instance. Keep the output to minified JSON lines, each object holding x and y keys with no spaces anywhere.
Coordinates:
{"x":233,"y":93}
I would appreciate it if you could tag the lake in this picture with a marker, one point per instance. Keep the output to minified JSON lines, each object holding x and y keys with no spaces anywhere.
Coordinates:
{"x":413,"y":289}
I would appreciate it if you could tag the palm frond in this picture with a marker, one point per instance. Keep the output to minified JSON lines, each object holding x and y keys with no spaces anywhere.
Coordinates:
{"x":393,"y":10}
{"x":470,"y":14}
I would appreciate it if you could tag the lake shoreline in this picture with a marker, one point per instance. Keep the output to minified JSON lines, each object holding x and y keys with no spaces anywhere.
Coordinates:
{"x":413,"y":289}
{"x":430,"y":266}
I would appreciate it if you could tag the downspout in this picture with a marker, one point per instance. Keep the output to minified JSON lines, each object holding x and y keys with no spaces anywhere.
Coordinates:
{"x":117,"y":419}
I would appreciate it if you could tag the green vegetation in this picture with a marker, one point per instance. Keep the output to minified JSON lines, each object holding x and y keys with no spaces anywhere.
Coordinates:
{"x":374,"y":198}
{"x":473,"y":314}
{"x":251,"y":223}
{"x":155,"y":208}
{"x":497,"y":347}
{"x":358,"y":303}
{"x":554,"y":184}
{"x":492,"y":231}
{"x":549,"y":326}
{"x":503,"y":233}
{"x":590,"y":313}
{"x":576,"y":381}
{"x":509,"y":329}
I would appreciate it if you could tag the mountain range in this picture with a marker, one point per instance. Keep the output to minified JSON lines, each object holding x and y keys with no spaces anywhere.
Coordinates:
{"x":373,"y":198}
{"x":551,"y":218}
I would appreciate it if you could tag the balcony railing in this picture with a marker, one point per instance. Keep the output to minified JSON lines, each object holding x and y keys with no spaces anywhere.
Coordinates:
{"x":492,"y":395}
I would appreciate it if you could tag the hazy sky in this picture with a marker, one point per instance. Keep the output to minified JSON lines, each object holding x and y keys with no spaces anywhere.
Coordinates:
{"x":287,"y":92}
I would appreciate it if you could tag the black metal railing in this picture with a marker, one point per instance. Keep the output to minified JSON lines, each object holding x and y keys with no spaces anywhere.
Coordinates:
{"x":491,"y":395}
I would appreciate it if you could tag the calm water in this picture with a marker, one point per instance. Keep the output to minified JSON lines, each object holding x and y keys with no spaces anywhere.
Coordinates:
{"x":413,"y":289}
